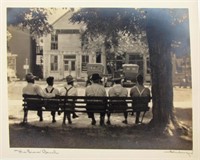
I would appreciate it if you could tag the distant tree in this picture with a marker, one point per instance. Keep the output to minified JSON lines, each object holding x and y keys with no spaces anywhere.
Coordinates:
{"x":33,"y":19}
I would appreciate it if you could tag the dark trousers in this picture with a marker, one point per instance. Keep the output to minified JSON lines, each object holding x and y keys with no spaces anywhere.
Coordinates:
{"x":91,"y":115}
{"x":68,"y":116}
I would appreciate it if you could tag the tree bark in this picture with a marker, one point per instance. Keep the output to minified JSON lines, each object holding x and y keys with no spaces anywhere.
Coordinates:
{"x":159,"y":41}
{"x":162,"y":90}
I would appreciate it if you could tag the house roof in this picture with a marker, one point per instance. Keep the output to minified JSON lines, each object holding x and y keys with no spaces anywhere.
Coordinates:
{"x":60,"y":17}
{"x":63,"y":22}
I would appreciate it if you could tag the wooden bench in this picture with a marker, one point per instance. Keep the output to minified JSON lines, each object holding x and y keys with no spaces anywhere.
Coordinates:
{"x":85,"y":104}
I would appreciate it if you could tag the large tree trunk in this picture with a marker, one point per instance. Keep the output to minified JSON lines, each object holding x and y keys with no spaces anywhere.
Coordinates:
{"x":162,"y":90}
{"x":159,"y":41}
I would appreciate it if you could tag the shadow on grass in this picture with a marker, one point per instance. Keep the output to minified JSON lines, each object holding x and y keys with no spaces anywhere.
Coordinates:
{"x":97,"y":137}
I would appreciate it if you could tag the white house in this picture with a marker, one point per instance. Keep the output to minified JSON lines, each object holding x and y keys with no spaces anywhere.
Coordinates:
{"x":62,"y":54}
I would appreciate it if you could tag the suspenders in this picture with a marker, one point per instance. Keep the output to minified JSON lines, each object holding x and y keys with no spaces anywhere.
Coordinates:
{"x":50,"y":90}
{"x":67,"y":90}
{"x":140,"y":93}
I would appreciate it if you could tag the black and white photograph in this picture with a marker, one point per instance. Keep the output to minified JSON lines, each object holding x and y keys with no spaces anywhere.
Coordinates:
{"x":100,"y":82}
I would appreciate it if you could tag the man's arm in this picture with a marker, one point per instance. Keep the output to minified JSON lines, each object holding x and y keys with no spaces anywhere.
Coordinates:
{"x":57,"y":92}
{"x":41,"y":92}
{"x":62,"y":92}
{"x":131,"y":92}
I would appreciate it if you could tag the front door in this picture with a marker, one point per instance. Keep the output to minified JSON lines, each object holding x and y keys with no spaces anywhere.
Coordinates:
{"x":70,"y":66}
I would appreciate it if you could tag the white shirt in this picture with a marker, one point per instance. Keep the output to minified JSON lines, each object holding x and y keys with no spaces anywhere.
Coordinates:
{"x":34,"y":89}
{"x":50,"y":91}
{"x":95,"y":90}
{"x":72,"y":91}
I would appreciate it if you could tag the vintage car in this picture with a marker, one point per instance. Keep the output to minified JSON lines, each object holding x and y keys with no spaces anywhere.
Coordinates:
{"x":130,"y":72}
{"x":94,"y":68}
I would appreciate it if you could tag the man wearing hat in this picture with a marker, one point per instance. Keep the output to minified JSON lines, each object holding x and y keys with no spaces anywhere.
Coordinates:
{"x":118,"y":91}
{"x":51,"y":91}
{"x":95,"y":89}
{"x":69,"y":90}
{"x":33,"y":89}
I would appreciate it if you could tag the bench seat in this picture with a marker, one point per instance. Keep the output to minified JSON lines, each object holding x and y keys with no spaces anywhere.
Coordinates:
{"x":85,"y":104}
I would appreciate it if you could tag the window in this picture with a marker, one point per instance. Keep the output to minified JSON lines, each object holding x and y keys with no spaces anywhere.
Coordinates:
{"x":54,"y":42}
{"x":69,"y":62}
{"x":54,"y":63}
{"x":98,"y":57}
{"x":119,"y":62}
{"x":66,"y":65}
{"x":73,"y":65}
{"x":69,"y":65}
{"x":85,"y":61}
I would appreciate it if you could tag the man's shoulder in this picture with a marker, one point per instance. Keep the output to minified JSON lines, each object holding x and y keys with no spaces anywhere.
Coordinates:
{"x":56,"y":89}
{"x":125,"y":89}
{"x":24,"y":87}
{"x":102,"y":87}
{"x":147,"y":89}
{"x":134,"y":87}
{"x":111,"y":89}
{"x":37,"y":86}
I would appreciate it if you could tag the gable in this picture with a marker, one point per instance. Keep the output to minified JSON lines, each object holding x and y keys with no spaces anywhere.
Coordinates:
{"x":64,"y":23}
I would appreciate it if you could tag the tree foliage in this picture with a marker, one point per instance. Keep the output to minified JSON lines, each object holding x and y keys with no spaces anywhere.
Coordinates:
{"x":109,"y":21}
{"x":112,"y":21}
{"x":33,"y":19}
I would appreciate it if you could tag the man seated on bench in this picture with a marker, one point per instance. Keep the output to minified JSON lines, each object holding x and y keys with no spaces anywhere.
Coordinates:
{"x":139,"y":91}
{"x":69,"y":90}
{"x":33,"y":89}
{"x":95,"y":89}
{"x":117,"y":91}
{"x":51,"y":91}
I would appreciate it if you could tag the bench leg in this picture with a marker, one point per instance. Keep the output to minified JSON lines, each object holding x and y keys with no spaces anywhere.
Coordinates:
{"x":25,"y":116}
{"x":53,"y":113}
{"x":39,"y":113}
{"x":108,"y":115}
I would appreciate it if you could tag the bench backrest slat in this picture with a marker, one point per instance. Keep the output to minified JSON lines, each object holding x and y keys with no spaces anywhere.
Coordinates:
{"x":83,"y":101}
